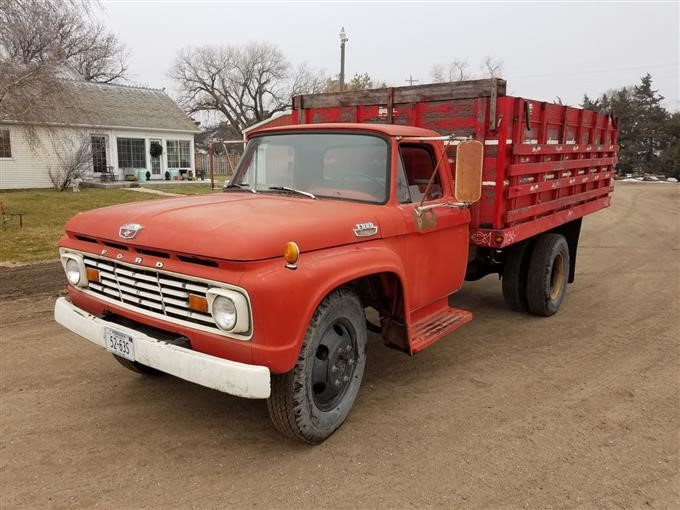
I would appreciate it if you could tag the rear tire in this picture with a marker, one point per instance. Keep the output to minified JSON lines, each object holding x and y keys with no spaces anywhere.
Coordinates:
{"x":548,"y":274}
{"x":138,"y":367}
{"x":515,"y":270}
{"x":311,"y":401}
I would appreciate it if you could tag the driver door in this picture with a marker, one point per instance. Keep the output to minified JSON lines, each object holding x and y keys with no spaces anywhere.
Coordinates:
{"x":436,"y":240}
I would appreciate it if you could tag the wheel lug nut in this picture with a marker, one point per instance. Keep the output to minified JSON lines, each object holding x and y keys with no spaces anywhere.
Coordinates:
{"x":337,"y":382}
{"x":351,"y":361}
{"x":345,"y":379}
{"x":334,"y":369}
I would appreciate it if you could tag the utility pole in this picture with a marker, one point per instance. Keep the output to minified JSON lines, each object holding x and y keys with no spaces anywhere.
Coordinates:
{"x":411,"y":80}
{"x":343,"y":40}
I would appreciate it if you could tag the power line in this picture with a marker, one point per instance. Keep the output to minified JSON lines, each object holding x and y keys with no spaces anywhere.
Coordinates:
{"x":596,"y":72}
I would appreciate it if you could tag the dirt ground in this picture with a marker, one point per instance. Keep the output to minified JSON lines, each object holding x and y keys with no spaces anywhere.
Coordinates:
{"x":512,"y":411}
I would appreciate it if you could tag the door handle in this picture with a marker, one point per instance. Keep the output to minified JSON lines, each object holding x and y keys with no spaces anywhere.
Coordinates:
{"x":423,"y":222}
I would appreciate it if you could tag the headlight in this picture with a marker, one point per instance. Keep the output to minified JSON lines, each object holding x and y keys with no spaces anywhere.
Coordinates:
{"x":74,"y":267}
{"x":224,"y":312}
{"x":231,"y":311}
{"x":72,"y":271}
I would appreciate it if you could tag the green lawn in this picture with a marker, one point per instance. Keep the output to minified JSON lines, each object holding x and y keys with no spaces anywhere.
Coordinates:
{"x":194,"y":188}
{"x":45,"y":214}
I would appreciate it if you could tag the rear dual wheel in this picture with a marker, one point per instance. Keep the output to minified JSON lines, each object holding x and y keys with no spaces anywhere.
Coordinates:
{"x":548,"y":274}
{"x":535,"y":275}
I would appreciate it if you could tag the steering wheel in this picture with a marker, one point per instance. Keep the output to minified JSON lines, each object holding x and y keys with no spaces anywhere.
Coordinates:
{"x":362,"y":177}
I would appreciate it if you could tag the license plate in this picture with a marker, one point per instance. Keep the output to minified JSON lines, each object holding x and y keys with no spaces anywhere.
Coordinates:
{"x":119,"y":343}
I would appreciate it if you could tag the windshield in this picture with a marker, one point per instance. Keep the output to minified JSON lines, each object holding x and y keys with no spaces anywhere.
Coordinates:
{"x":344,"y":166}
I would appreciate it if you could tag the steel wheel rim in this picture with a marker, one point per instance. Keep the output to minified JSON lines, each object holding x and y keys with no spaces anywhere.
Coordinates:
{"x":557,"y":277}
{"x":335,"y":362}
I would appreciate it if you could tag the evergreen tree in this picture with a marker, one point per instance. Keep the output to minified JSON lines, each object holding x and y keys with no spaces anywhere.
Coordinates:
{"x":651,"y":116}
{"x":644,"y":133}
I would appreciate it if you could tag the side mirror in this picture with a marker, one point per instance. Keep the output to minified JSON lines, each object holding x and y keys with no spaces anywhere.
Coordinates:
{"x":469,"y":162}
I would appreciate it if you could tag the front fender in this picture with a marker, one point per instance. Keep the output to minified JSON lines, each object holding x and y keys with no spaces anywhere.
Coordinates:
{"x":284,"y":300}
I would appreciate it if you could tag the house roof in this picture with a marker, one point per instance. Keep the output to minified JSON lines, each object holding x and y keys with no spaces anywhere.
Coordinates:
{"x":84,"y":103}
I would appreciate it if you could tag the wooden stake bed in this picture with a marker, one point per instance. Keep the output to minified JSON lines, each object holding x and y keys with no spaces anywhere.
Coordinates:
{"x":544,"y":164}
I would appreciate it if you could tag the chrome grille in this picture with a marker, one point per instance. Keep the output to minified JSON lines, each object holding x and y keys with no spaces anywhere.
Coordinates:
{"x":146,"y":289}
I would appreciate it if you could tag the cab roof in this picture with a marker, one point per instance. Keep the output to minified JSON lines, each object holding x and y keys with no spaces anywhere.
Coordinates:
{"x":383,"y":129}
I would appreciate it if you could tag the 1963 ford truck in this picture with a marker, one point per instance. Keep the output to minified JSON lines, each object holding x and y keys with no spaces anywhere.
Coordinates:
{"x":386,"y":199}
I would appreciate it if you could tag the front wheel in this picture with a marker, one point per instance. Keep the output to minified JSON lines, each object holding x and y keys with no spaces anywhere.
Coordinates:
{"x":311,"y":401}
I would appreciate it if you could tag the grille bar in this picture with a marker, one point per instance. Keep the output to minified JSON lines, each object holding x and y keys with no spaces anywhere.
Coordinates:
{"x":151,"y":290}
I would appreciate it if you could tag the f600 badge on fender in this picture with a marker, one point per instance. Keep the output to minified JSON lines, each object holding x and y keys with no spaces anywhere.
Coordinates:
{"x":365,"y":229}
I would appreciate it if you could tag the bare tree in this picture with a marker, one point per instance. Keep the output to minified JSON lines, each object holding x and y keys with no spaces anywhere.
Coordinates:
{"x":39,"y":40}
{"x":456,"y":70}
{"x":103,"y":58}
{"x":61,"y":32}
{"x":74,"y":159}
{"x":492,"y":67}
{"x":246,"y":84}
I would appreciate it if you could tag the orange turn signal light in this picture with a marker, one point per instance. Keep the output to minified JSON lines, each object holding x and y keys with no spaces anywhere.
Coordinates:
{"x":92,"y":274}
{"x":291,"y":252}
{"x":198,"y":303}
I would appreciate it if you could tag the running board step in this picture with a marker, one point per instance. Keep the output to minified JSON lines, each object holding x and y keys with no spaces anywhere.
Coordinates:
{"x":436,"y":326}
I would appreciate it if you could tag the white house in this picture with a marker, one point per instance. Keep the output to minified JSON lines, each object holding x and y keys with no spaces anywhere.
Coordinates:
{"x":120,"y":124}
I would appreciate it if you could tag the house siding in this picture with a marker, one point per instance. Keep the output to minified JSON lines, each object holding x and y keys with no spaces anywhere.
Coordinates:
{"x":29,"y":165}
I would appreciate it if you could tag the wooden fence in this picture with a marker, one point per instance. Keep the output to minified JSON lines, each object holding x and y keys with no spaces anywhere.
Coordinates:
{"x":223,"y":164}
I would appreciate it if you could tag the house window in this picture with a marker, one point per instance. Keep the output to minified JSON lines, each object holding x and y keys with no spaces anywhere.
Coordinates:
{"x":131,"y":153}
{"x":179,"y":155}
{"x":5,"y":147}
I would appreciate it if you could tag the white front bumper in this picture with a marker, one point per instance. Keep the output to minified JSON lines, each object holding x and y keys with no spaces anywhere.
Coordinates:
{"x":240,"y":379}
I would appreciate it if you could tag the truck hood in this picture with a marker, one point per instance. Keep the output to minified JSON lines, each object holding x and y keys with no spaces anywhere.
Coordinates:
{"x":233,"y":226}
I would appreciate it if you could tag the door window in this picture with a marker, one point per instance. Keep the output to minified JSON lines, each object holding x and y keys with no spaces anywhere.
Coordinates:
{"x":98,"y":153}
{"x":419,"y":164}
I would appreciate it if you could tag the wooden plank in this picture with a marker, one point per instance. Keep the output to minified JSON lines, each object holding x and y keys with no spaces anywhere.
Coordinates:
{"x":558,"y":166}
{"x":565,"y":182}
{"x":535,"y":210}
{"x":527,"y":149}
{"x":410,"y":94}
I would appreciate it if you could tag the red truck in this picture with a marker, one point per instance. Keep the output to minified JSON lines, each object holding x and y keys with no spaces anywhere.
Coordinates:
{"x":382,"y":200}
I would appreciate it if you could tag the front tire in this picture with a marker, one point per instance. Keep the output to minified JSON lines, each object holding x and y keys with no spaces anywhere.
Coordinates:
{"x":548,"y":274}
{"x":312,"y":401}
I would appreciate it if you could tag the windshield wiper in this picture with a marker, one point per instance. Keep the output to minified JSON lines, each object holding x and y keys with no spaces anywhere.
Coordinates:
{"x":292,"y":190}
{"x":239,"y":187}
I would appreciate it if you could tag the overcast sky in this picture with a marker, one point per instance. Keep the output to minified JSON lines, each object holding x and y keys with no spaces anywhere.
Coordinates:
{"x":548,"y":50}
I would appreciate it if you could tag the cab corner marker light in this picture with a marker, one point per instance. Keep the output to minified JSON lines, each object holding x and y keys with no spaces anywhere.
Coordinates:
{"x":291,"y":254}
